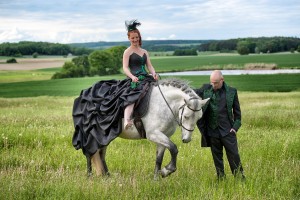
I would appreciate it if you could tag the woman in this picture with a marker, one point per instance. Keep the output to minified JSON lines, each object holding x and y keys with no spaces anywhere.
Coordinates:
{"x":98,"y":111}
{"x":134,"y":60}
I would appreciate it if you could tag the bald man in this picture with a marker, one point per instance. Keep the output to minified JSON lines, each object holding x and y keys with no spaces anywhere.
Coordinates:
{"x":220,"y":123}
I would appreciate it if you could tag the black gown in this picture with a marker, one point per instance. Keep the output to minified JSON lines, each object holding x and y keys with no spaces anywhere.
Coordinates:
{"x":98,"y":111}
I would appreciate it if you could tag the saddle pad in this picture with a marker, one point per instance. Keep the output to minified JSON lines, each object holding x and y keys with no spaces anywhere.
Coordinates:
{"x":141,"y":109}
{"x":142,"y":105}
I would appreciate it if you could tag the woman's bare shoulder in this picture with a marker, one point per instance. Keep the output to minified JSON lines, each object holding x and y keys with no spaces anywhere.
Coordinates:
{"x":145,"y":51}
{"x":127,"y":51}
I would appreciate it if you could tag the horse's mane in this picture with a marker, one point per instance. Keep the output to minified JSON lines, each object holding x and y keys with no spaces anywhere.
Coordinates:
{"x":178,"y":83}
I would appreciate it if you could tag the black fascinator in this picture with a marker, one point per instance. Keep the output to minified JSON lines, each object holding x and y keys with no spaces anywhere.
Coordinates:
{"x":132,"y":24}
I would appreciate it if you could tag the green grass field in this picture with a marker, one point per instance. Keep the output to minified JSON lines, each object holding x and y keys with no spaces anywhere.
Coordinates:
{"x":220,"y":61}
{"x":73,"y":86}
{"x":38,"y":161}
{"x":30,"y":75}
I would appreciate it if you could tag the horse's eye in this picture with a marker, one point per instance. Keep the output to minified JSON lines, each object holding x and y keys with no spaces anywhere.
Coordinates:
{"x":186,"y":117}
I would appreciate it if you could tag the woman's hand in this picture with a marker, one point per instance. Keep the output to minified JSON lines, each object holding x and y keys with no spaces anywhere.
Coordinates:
{"x":134,"y":79}
{"x":155,"y":76}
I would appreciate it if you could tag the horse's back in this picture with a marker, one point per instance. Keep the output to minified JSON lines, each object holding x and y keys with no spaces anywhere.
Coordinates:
{"x":156,"y":118}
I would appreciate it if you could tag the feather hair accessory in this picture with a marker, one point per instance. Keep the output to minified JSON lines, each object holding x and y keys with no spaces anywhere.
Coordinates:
{"x":132,"y":24}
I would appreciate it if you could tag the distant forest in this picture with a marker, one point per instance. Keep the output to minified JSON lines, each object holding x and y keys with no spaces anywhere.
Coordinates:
{"x":40,"y":48}
{"x":243,"y":46}
{"x":150,"y":45}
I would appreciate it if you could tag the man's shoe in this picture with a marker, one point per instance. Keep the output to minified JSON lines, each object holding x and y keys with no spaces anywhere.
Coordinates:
{"x":240,"y":177}
{"x":221,"y":177}
{"x":243,"y":179}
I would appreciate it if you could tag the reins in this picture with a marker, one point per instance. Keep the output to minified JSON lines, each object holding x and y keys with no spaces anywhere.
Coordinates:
{"x":185,"y":104}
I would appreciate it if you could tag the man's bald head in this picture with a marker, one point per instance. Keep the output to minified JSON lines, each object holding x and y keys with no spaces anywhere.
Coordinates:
{"x":216,"y":79}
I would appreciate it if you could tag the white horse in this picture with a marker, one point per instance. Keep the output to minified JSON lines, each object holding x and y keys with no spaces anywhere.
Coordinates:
{"x":172,"y":103}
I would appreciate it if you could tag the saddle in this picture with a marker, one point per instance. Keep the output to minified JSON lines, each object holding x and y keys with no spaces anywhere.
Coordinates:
{"x":141,"y":108}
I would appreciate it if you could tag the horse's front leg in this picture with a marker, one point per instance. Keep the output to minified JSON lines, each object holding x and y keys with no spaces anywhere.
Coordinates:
{"x":163,"y":140}
{"x":160,"y":151}
{"x":171,"y":167}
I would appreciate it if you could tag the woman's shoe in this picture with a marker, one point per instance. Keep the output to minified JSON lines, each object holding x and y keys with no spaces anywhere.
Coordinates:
{"x":129,"y":124}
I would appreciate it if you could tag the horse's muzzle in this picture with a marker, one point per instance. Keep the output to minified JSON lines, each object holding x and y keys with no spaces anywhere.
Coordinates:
{"x":186,"y":140}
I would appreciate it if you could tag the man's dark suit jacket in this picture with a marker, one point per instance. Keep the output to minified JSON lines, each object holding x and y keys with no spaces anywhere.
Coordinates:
{"x":233,"y":110}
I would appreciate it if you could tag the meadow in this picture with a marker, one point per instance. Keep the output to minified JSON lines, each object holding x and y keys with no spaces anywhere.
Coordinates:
{"x":210,"y":60}
{"x":223,"y":61}
{"x":38,"y":161}
{"x":73,"y":86}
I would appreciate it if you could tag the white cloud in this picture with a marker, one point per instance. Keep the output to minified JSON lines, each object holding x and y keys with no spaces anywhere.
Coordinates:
{"x":84,"y":21}
{"x":172,"y":36}
{"x":13,"y":35}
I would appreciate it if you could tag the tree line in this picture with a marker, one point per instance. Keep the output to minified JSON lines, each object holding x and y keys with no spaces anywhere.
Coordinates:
{"x":41,"y":48}
{"x":150,"y":45}
{"x":245,"y":46}
{"x":99,"y":62}
{"x":182,"y":47}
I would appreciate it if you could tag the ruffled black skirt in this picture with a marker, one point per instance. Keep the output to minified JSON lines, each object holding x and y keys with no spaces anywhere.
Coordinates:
{"x":98,"y":112}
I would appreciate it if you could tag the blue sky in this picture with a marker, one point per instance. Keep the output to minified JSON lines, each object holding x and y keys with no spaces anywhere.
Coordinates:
{"x":67,"y":21}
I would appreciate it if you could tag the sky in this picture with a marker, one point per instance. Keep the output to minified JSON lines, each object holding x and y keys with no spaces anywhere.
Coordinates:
{"x":78,"y":21}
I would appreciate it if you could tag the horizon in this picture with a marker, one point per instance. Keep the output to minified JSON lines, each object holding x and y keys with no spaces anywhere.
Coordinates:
{"x":158,"y":40}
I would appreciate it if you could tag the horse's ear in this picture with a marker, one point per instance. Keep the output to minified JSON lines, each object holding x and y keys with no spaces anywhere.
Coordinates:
{"x":204,"y":101}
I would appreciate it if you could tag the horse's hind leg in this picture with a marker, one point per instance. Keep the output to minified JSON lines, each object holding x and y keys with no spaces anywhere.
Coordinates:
{"x":102,"y":154}
{"x":98,"y":163}
{"x":89,"y":166}
{"x":160,"y":151}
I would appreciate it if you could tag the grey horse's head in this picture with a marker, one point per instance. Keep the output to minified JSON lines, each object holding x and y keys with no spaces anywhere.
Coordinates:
{"x":189,"y":114}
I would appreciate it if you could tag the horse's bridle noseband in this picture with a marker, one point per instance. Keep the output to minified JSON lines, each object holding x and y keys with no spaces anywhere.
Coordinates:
{"x":181,"y":107}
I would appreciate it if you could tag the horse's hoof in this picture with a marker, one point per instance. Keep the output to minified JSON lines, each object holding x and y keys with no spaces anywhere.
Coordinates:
{"x":165,"y":172}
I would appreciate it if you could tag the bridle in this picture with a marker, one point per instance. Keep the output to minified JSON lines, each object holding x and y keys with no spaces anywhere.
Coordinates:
{"x":181,"y":107}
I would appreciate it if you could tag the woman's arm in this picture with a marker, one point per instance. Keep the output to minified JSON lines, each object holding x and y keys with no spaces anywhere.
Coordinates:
{"x":150,"y":67}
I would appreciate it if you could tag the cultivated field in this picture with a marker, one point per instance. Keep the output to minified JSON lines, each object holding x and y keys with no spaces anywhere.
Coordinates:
{"x":33,"y":63}
{"x":176,"y":63}
{"x":38,"y":161}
